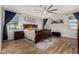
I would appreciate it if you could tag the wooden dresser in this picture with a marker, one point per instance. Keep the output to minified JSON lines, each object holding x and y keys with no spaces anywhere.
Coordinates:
{"x":18,"y":35}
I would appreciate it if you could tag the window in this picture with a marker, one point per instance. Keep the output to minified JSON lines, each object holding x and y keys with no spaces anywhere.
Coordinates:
{"x":72,"y":22}
{"x":13,"y":24}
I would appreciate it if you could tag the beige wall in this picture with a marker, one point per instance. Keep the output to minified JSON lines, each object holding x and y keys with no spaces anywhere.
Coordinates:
{"x":60,"y":27}
{"x":1,"y":27}
{"x":63,"y":27}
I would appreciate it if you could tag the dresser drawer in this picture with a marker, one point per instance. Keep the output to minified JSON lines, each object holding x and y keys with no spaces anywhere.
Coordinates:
{"x":18,"y":35}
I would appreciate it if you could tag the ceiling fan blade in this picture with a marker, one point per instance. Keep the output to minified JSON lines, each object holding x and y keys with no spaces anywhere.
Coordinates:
{"x":49,"y":7}
{"x":44,"y":7}
{"x":53,"y":10}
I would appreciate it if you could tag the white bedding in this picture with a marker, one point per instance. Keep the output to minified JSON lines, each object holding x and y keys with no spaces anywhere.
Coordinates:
{"x":30,"y":34}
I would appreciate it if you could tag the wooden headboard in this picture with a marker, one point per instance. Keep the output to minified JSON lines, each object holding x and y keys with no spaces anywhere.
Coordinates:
{"x":29,"y":25}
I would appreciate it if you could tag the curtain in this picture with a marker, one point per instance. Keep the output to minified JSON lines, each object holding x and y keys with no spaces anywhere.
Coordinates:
{"x":76,"y":15}
{"x":8,"y":17}
{"x":44,"y":22}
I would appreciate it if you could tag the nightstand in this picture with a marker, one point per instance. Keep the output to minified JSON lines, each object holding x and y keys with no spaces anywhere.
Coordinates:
{"x":18,"y":35}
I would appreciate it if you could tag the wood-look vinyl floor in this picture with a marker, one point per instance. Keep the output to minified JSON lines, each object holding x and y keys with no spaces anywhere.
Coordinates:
{"x":20,"y":46}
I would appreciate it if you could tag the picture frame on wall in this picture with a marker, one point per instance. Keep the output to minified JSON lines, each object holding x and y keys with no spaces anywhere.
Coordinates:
{"x":57,"y":21}
{"x":29,"y":19}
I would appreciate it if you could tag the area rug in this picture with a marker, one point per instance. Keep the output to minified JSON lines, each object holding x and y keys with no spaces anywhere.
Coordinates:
{"x":44,"y":45}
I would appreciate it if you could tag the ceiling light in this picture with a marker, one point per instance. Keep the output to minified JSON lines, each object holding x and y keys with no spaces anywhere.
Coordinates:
{"x":45,"y":12}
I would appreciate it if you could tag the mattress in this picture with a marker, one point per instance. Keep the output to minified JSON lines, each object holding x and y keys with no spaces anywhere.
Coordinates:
{"x":30,"y":34}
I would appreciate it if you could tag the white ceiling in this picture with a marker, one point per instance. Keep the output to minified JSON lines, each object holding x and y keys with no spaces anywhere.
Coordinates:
{"x":30,"y":9}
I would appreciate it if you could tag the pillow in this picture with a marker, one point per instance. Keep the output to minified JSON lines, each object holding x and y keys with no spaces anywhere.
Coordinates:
{"x":38,"y":29}
{"x":30,"y":29}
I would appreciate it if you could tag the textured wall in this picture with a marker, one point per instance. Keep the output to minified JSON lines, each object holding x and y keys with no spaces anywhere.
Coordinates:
{"x":63,"y":27}
{"x":1,"y":28}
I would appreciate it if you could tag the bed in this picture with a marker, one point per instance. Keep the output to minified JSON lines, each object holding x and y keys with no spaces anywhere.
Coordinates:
{"x":32,"y":33}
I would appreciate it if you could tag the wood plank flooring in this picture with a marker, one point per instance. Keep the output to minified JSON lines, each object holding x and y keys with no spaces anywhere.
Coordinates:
{"x":20,"y":46}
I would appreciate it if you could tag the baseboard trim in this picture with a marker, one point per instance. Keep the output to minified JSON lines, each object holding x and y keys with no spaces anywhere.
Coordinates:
{"x":68,"y":37}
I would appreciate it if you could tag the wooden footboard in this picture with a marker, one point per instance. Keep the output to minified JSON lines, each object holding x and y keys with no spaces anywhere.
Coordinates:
{"x":41,"y":35}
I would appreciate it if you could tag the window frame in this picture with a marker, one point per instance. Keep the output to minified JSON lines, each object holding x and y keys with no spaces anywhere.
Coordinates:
{"x":69,"y":23}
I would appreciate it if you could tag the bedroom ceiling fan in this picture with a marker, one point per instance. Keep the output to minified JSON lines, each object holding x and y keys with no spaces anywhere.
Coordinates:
{"x":46,"y":9}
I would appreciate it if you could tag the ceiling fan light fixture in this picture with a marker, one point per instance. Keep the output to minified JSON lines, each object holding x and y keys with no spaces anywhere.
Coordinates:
{"x":45,"y":12}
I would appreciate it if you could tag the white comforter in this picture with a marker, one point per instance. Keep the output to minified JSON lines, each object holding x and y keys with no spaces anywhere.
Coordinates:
{"x":30,"y":34}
